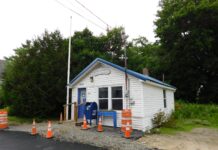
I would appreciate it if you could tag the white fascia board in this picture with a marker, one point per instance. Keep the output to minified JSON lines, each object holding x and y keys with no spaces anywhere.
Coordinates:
{"x":158,"y":85}
{"x":85,"y":73}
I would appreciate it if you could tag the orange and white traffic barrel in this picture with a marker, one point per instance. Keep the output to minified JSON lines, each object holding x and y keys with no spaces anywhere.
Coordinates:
{"x":126,"y":119}
{"x":3,"y":119}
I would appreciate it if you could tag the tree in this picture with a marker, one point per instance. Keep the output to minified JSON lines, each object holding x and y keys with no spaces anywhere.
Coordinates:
{"x":142,"y":54}
{"x":33,"y":81}
{"x":188,"y":34}
{"x":35,"y":78}
{"x":86,"y":47}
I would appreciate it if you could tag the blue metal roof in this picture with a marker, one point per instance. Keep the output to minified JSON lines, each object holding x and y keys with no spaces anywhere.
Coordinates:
{"x":130,"y":72}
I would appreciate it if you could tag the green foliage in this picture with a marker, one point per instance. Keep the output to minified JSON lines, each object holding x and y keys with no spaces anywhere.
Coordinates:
{"x":142,"y":54}
{"x":35,"y":78}
{"x":204,"y":112}
{"x":189,"y":115}
{"x":13,"y":120}
{"x":159,"y":119}
{"x":188,"y":36}
{"x":1,"y":97}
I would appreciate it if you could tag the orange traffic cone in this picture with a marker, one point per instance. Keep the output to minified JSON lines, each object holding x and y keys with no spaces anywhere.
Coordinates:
{"x":100,"y":128}
{"x":61,"y":119}
{"x":49,"y":132}
{"x":84,"y":126}
{"x":34,"y":132}
{"x":127,"y":133}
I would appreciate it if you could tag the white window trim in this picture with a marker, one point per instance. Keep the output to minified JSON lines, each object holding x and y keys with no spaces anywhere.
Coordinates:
{"x":117,"y":98}
{"x":103,"y":98}
{"x":110,"y":95}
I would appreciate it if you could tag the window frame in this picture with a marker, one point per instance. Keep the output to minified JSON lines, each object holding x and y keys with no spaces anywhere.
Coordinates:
{"x":117,"y":98}
{"x":164,"y":98}
{"x":104,"y":98}
{"x":109,"y":87}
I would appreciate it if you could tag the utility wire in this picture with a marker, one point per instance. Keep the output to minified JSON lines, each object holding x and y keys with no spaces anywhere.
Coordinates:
{"x":76,"y":8}
{"x":79,"y":15}
{"x":92,"y":13}
{"x":81,"y":10}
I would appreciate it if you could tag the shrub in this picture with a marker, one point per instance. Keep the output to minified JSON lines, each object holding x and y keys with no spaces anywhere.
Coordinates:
{"x":158,"y":119}
{"x":170,"y":121}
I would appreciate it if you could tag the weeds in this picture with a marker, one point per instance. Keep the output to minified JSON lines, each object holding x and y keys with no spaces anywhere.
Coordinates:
{"x":188,"y":116}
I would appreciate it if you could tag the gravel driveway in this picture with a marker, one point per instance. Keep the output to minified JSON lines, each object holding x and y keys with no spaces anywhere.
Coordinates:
{"x":197,"y":139}
{"x":110,"y":139}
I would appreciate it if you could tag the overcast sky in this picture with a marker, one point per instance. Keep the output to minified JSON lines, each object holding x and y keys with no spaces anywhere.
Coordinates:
{"x":26,"y":19}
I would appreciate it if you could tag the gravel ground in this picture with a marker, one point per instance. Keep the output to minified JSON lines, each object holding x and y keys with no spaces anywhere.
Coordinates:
{"x":110,"y":138}
{"x":197,"y":139}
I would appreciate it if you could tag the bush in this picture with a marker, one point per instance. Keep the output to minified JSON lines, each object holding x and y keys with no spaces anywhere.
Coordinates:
{"x":1,"y":97}
{"x":161,"y":119}
{"x":158,"y":119}
{"x":170,"y":122}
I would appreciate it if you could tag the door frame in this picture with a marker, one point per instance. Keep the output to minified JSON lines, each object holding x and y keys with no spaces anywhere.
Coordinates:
{"x":79,"y":100}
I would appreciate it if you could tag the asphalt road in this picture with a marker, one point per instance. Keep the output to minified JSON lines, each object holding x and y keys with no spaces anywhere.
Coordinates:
{"x":10,"y":140}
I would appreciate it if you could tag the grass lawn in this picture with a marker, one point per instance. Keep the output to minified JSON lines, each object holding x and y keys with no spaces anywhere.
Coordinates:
{"x":188,"y":116}
{"x":14,"y":120}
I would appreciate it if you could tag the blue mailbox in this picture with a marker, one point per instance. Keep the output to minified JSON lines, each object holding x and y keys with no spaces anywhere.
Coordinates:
{"x":91,"y":111}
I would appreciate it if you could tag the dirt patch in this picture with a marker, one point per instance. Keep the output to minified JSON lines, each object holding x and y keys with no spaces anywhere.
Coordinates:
{"x":197,"y":139}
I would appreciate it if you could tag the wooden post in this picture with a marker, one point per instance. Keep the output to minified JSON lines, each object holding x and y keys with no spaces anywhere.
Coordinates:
{"x":75,"y":112}
{"x":64,"y":112}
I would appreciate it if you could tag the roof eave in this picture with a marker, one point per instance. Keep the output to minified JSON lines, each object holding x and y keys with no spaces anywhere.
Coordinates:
{"x":130,"y":72}
{"x":159,"y":85}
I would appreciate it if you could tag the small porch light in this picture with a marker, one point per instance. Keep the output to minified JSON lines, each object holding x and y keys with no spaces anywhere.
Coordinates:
{"x":91,"y":79}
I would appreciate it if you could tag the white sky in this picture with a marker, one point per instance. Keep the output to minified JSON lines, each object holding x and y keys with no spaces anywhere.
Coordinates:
{"x":25,"y":19}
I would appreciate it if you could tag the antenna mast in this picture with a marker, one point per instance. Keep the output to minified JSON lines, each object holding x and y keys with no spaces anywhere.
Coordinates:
{"x":126,"y":75}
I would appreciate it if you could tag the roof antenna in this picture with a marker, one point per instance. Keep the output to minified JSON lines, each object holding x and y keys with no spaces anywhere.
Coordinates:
{"x":126,"y":75}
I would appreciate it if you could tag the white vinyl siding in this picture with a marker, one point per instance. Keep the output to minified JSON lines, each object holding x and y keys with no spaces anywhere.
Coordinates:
{"x":154,"y":102}
{"x":115,"y":79}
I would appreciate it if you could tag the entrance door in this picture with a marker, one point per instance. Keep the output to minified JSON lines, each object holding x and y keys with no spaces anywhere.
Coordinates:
{"x":81,"y":101}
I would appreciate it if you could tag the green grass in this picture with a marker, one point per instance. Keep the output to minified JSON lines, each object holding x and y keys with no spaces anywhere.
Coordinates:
{"x":13,"y":120}
{"x":188,"y":116}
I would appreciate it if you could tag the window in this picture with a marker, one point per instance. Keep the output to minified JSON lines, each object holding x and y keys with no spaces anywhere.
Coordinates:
{"x":103,"y":98}
{"x":164,"y":99}
{"x":117,"y":98}
{"x":110,"y":98}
